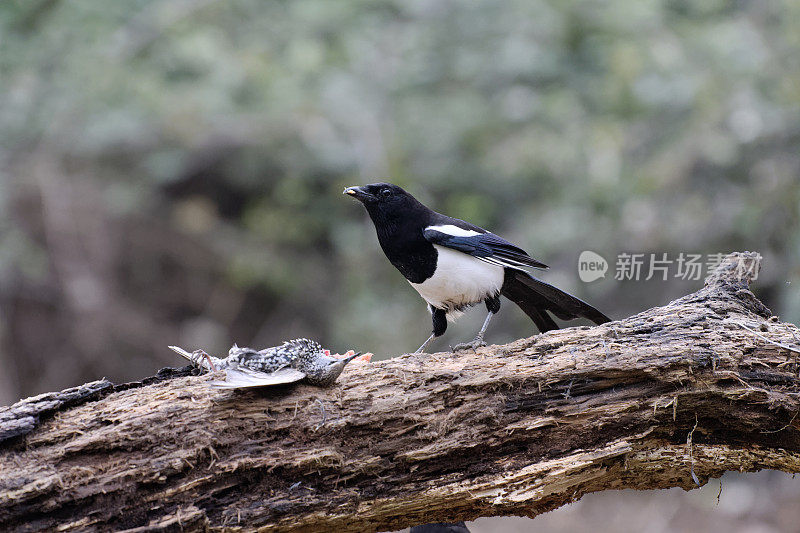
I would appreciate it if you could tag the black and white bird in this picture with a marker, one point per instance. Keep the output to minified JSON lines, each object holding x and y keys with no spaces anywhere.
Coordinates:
{"x":290,"y":362}
{"x":454,"y":264}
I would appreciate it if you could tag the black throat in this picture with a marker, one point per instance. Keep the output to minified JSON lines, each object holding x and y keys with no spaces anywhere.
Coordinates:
{"x":400,"y":237}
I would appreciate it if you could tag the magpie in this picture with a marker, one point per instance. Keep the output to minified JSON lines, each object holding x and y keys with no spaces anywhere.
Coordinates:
{"x":454,"y":265}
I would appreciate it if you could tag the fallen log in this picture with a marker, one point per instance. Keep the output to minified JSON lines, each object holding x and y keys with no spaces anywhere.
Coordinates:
{"x":670,"y":397}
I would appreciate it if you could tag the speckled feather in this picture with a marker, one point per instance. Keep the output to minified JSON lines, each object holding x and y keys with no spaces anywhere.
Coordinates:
{"x":301,"y":354}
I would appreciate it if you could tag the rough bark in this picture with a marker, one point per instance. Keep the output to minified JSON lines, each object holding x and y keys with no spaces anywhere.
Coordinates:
{"x":669,"y":397}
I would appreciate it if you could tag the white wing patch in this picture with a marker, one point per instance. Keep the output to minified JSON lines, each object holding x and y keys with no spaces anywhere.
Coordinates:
{"x":455,"y":231}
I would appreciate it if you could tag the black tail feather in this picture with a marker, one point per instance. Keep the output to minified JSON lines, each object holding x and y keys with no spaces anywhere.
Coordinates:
{"x":536,"y":298}
{"x":540,"y":317}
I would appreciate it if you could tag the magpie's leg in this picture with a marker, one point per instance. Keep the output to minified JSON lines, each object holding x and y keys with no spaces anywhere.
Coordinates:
{"x":439,"y":318}
{"x":425,"y":344}
{"x":493,"y":306}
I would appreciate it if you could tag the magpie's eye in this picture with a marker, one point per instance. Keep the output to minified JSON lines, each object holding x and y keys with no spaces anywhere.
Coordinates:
{"x":386,"y":193}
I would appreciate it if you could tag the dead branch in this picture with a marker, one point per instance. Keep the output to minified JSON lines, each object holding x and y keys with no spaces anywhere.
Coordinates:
{"x":707,"y":383}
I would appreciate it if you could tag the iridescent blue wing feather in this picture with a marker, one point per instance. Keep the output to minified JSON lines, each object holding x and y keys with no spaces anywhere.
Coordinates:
{"x":484,"y":246}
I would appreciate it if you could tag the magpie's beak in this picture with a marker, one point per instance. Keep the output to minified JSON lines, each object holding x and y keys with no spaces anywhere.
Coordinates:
{"x":358,"y":193}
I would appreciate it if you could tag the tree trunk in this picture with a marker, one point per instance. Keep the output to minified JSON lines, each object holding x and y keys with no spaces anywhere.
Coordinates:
{"x":668,"y":397}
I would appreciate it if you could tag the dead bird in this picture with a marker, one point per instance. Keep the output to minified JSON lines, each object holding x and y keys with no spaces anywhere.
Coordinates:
{"x":292,"y":361}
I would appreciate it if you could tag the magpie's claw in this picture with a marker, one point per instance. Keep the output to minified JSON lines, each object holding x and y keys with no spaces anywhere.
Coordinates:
{"x":473,"y":345}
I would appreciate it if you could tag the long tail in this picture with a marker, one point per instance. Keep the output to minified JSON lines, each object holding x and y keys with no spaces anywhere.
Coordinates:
{"x":536,"y":298}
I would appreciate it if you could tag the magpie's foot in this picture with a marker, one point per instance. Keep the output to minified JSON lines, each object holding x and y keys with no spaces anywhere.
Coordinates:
{"x":476,"y":343}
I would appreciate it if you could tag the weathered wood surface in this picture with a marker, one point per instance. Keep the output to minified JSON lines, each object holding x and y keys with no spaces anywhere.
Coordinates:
{"x":705,"y":384}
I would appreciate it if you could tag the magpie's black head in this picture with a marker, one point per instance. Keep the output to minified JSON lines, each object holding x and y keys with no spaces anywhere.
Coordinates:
{"x":385,"y":200}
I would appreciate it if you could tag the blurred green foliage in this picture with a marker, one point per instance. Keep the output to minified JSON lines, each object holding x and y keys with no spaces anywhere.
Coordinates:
{"x":171,"y":170}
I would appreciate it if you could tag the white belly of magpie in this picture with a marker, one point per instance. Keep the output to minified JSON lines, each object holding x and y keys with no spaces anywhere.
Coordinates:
{"x":459,"y":281}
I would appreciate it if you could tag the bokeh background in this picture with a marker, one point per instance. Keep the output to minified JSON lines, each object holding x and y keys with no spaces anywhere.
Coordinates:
{"x":171,"y":173}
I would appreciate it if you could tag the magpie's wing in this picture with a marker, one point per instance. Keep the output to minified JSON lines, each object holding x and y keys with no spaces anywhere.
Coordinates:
{"x":242,"y":377}
{"x":482,"y":244}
